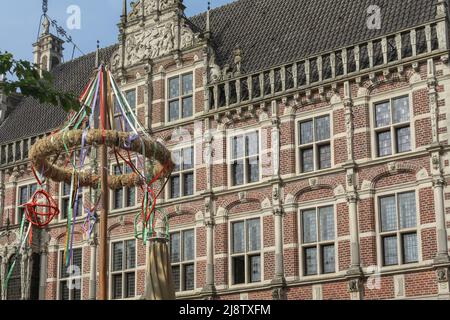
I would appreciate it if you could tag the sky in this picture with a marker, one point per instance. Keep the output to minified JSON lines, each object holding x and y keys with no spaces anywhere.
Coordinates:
{"x":19,"y":23}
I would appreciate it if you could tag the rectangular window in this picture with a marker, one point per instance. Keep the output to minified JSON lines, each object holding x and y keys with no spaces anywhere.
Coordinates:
{"x":70,"y":277}
{"x":245,"y":159}
{"x":123,"y":269}
{"x":393,"y":128}
{"x":182,"y":178}
{"x":119,"y":120}
{"x":246,"y":251}
{"x":315,"y":144}
{"x":318,"y":241}
{"x":65,"y":202}
{"x":182,"y":255}
{"x":3,"y":155}
{"x":124,"y":197}
{"x":398,"y":223}
{"x":180,"y":95}
{"x":25,"y":193}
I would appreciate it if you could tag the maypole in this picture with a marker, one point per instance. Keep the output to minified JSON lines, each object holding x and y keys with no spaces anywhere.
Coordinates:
{"x":127,"y":139}
{"x":103,"y":241}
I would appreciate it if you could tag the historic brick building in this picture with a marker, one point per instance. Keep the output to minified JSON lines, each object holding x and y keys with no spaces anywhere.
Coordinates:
{"x":313,"y":152}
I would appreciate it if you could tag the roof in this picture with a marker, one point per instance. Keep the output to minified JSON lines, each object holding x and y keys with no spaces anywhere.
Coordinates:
{"x":268,"y":32}
{"x":31,"y":118}
{"x":275,"y":32}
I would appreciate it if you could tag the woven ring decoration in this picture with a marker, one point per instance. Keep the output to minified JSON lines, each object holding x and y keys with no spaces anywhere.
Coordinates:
{"x":61,"y":141}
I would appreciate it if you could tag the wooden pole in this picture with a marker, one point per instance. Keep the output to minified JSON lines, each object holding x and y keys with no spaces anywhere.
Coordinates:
{"x":103,"y":259}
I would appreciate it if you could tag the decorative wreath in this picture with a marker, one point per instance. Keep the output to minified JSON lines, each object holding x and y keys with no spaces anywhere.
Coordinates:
{"x":56,"y":144}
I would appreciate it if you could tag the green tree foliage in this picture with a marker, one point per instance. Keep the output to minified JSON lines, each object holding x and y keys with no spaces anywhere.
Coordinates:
{"x":29,"y":81}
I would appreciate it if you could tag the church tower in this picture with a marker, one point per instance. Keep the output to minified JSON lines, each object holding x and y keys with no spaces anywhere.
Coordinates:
{"x":48,"y":50}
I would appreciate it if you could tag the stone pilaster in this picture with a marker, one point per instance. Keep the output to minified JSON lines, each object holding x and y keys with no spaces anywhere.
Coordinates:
{"x":43,"y":265}
{"x":93,"y":268}
{"x":209,"y":289}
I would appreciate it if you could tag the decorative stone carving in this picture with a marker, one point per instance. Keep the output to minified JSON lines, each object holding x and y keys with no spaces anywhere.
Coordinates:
{"x":392,"y":167}
{"x":242,"y":196}
{"x":275,"y":194}
{"x":279,"y":294}
{"x":339,"y":190}
{"x":289,"y":199}
{"x":313,"y":182}
{"x":266,"y":204}
{"x":152,"y":43}
{"x":442,"y":275}
{"x":354,"y":285}
{"x":187,"y":37}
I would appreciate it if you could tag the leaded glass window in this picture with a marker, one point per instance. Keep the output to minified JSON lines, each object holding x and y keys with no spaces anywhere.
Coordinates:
{"x":392,"y":54}
{"x":70,"y":276}
{"x":301,"y":74}
{"x":313,"y":71}
{"x":124,"y":197}
{"x":351,"y":60}
{"x":267,"y":84}
{"x":256,"y":87}
{"x":65,"y":201}
{"x":182,"y":178}
{"x":289,"y":77}
{"x":119,"y":120}
{"x":245,"y":159}
{"x":326,"y":67}
{"x":318,"y":240}
{"x":123,"y":269}
{"x":377,"y":53}
{"x":222,"y":98}
{"x":392,"y":122}
{"x":244,"y":89}
{"x":363,"y":57}
{"x":434,"y":38}
{"x":277,"y":79}
{"x":25,"y":193}
{"x":3,"y":155}
{"x":339,"y":64}
{"x":182,"y":255}
{"x":180,"y":97}
{"x":406,"y":45}
{"x":14,"y":289}
{"x":314,"y":144}
{"x":398,"y":224}
{"x":246,"y":251}
{"x":233,"y":92}
{"x":421,"y":41}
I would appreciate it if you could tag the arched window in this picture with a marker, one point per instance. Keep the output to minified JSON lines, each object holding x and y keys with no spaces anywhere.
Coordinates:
{"x":14,"y":290}
{"x":35,"y":273}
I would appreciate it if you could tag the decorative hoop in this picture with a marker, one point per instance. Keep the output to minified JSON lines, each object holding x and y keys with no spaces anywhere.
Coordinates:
{"x":61,"y":141}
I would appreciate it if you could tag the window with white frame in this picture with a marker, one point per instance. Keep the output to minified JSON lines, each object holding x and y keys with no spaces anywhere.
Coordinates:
{"x":315,"y":144}
{"x":180,"y":97}
{"x":124,"y":197}
{"x":393,"y":127}
{"x":182,"y":178}
{"x":246,"y":251}
{"x":318,"y":241}
{"x":182,"y":255}
{"x":70,"y":277}
{"x":65,"y":201}
{"x":119,"y":121}
{"x":123,"y":269}
{"x":25,"y":193}
{"x":245,"y":159}
{"x":398,"y":228}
